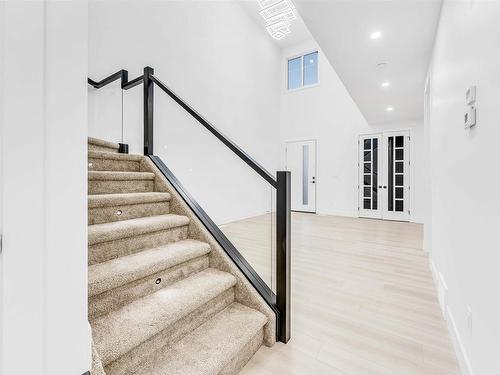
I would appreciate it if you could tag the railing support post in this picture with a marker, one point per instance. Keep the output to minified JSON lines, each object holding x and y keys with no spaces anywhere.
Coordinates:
{"x":283,"y":246}
{"x":148,"y":110}
{"x":124,"y":78}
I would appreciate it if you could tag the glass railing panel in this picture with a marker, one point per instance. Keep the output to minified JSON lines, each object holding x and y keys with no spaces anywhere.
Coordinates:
{"x":133,"y":119}
{"x":105,"y":114}
{"x":235,"y":197}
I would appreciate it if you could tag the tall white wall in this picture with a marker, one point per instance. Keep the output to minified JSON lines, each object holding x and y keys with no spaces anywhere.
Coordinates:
{"x":44,"y":215}
{"x":222,"y":63}
{"x":327,"y":113}
{"x":2,"y":53}
{"x":464,"y":243}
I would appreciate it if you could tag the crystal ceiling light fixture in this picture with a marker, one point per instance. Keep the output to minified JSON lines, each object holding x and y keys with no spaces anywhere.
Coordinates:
{"x":278,"y":15}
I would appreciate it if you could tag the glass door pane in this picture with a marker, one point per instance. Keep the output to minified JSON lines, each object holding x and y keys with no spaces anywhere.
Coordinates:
{"x":396,"y":169}
{"x":369,"y":178}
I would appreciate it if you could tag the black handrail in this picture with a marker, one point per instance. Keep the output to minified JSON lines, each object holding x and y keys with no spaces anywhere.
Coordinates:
{"x":279,"y":303}
{"x":212,"y":129}
{"x":121,"y":74}
{"x":221,"y":238}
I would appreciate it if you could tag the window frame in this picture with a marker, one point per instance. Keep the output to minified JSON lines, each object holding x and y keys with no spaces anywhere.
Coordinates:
{"x":301,"y":55}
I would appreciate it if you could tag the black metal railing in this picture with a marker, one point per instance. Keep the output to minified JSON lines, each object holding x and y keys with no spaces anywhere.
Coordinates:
{"x":279,"y":302}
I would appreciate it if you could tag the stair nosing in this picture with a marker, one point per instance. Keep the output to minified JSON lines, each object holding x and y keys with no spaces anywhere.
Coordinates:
{"x":116,"y":199}
{"x":100,"y":284}
{"x":119,"y":176}
{"x":114,"y":156}
{"x":213,"y":360}
{"x":105,"y":232}
{"x":102,"y":143}
{"x":189,"y":294}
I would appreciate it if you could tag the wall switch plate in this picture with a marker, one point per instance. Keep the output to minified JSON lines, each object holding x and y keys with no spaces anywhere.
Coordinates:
{"x":470,"y":95}
{"x":470,"y":117}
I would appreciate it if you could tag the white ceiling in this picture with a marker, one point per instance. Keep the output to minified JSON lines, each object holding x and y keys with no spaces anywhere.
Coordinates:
{"x":408,"y":27}
{"x":342,"y":28}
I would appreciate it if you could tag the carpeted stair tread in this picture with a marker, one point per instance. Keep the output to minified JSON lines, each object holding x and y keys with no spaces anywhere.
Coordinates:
{"x":117,"y":272}
{"x":122,"y":330}
{"x":119,"y":176}
{"x":99,"y":233}
{"x":100,"y":143}
{"x":113,"y":156}
{"x":105,"y":200}
{"x":212,"y":346}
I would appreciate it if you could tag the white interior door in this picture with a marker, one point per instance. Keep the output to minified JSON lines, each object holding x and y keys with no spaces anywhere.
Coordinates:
{"x":384,"y":175}
{"x":370,"y":204}
{"x":301,"y":161}
{"x":396,"y":175}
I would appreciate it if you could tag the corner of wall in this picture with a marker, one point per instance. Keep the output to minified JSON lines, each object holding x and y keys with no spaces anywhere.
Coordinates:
{"x":458,"y":345}
{"x":462,"y":357}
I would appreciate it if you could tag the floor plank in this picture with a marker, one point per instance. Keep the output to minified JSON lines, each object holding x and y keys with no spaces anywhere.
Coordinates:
{"x":363,"y":299}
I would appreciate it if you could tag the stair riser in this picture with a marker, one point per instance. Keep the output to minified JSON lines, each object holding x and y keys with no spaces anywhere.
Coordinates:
{"x":120,"y":186}
{"x":140,"y":355}
{"x":98,"y":164}
{"x":116,"y":298}
{"x":105,"y":251}
{"x":244,"y":355}
{"x":92,"y":147}
{"x":99,"y":215}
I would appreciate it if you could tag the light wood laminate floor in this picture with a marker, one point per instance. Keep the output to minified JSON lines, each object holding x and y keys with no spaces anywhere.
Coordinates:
{"x":363,"y":299}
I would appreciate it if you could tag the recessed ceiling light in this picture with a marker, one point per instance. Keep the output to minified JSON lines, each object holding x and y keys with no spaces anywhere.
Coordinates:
{"x":385,"y":84}
{"x":376,"y":35}
{"x":389,"y":109}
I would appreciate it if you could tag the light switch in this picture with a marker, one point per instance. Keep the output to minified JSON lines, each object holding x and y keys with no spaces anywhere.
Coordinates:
{"x":470,"y":109}
{"x":470,"y":117}
{"x":470,"y":95}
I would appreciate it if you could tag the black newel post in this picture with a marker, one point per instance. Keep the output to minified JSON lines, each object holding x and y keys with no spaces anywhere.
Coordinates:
{"x":283,"y":271}
{"x":148,"y":110}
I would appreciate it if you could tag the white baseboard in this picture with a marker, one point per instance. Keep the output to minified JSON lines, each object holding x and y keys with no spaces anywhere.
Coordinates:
{"x":462,"y":357}
{"x":434,"y":271}
{"x":338,"y":213}
{"x":417,"y":219}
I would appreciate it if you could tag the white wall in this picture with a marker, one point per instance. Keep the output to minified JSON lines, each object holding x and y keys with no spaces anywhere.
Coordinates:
{"x":222,"y":63}
{"x":464,"y":243}
{"x":326,"y":112}
{"x":44,"y":215}
{"x":238,"y":83}
{"x":2,"y":52}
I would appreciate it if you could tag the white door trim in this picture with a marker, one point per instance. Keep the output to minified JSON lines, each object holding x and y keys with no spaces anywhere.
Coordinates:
{"x":362,"y":212}
{"x":315,"y":171}
{"x":409,"y":154}
{"x":405,"y":214}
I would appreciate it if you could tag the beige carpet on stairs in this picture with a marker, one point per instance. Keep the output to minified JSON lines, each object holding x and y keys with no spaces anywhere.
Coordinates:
{"x":164,"y":298}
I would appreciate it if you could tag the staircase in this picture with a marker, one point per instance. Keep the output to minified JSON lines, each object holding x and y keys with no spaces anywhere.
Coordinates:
{"x":164,"y":298}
